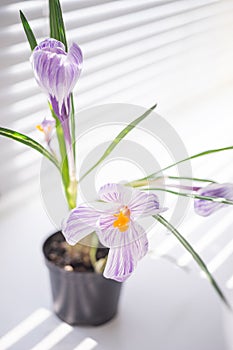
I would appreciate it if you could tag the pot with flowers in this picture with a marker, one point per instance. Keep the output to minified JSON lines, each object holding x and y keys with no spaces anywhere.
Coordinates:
{"x":86,"y":277}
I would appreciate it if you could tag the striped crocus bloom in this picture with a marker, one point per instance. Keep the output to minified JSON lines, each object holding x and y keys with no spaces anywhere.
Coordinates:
{"x":116,"y":227}
{"x":221,"y":191}
{"x":57,"y":72}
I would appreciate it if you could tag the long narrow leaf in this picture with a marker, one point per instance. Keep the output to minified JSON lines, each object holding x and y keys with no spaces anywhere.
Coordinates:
{"x":28,"y":142}
{"x":119,"y":137}
{"x":62,"y":148}
{"x":142,"y":182}
{"x":28,"y":31}
{"x":189,"y":178}
{"x":192,"y":195}
{"x":151,"y":176}
{"x":195,"y":256}
{"x":57,"y":28}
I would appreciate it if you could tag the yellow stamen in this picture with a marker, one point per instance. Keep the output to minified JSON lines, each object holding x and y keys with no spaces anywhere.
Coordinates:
{"x":40,"y":128}
{"x":123,"y":219}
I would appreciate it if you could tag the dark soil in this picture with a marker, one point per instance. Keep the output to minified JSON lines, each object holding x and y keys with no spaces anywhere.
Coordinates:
{"x":75,"y":258}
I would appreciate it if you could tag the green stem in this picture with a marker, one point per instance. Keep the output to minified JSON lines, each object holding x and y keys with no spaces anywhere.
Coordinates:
{"x":72,"y":122}
{"x":98,"y":265}
{"x":93,"y":249}
{"x":64,"y":167}
{"x":195,"y":256}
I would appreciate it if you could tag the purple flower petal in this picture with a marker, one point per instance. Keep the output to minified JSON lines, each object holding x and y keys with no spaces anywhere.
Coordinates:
{"x":120,"y":264}
{"x":144,"y":204}
{"x":205,"y":207}
{"x":47,"y":128}
{"x":57,"y":72}
{"x":50,"y":44}
{"x":115,"y":193}
{"x":48,"y":124}
{"x":80,"y":222}
{"x":123,"y":260}
{"x":75,"y":55}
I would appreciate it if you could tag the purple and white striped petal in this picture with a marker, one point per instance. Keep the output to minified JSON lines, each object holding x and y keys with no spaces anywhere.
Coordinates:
{"x":123,"y":260}
{"x":205,"y":207}
{"x":81,"y":222}
{"x":57,"y":72}
{"x":115,"y":193}
{"x":50,"y":44}
{"x":120,"y":264}
{"x":144,"y":204}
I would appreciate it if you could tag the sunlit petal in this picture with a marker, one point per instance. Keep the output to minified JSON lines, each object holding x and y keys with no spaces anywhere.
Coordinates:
{"x":123,"y":260}
{"x":115,"y":193}
{"x":144,"y":204}
{"x":80,"y":222}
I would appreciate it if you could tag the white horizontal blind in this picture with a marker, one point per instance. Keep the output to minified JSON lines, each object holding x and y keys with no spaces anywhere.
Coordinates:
{"x":135,"y":51}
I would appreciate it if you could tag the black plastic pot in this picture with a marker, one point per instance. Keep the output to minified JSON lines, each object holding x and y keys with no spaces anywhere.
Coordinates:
{"x":81,"y":298}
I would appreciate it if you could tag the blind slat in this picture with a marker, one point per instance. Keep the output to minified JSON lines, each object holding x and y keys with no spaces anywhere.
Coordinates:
{"x":19,"y":52}
{"x":123,"y":59}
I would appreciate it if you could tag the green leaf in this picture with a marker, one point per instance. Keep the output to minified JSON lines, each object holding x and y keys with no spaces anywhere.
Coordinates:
{"x":93,"y":249}
{"x":28,"y":31}
{"x":57,"y":28}
{"x":151,"y":176}
{"x":195,"y":256}
{"x":119,"y":137}
{"x":62,"y":148}
{"x":143,"y":182}
{"x":29,"y":142}
{"x":189,"y":178}
{"x":192,"y":195}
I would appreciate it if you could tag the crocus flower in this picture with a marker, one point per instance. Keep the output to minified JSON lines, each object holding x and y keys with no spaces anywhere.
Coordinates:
{"x":116,"y":227}
{"x":46,"y":127}
{"x":205,"y":207}
{"x":57,"y":72}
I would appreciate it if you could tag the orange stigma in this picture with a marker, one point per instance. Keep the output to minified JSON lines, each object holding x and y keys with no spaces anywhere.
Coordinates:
{"x":123,"y":219}
{"x":39,"y":127}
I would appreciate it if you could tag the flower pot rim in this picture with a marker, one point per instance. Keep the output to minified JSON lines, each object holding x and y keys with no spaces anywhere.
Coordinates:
{"x":55,"y":267}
